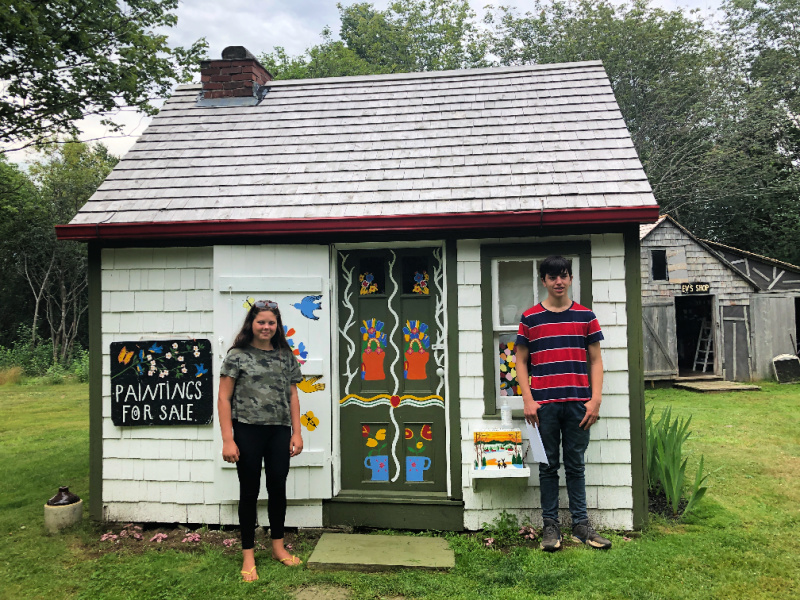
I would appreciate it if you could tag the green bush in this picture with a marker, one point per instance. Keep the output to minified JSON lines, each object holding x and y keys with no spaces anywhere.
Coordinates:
{"x":666,"y":467}
{"x":80,"y":366}
{"x":35,"y":360}
{"x":55,"y":374}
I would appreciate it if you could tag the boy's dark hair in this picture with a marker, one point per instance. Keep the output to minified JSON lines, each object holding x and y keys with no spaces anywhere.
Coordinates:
{"x":555,"y":266}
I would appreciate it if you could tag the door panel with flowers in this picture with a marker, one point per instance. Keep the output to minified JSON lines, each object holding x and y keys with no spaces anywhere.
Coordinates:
{"x":392,"y":358}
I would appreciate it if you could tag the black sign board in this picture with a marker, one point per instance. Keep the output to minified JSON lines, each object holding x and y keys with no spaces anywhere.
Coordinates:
{"x":163,"y":382}
{"x":695,"y":288}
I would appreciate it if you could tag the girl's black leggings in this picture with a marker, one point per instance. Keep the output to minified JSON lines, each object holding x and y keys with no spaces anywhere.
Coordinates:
{"x":267,"y":445}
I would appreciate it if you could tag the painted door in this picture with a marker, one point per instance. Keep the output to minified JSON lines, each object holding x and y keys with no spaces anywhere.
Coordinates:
{"x":391,"y":350}
{"x":660,"y":340}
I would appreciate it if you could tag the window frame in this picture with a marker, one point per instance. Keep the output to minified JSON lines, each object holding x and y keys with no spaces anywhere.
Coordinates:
{"x":652,"y":265}
{"x":491,"y":255}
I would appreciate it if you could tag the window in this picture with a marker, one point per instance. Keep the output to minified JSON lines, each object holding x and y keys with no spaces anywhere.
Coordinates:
{"x":515,"y":288}
{"x":658,"y":264}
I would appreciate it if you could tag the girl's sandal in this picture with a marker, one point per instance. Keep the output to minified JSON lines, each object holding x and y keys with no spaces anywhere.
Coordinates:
{"x":290,"y":561}
{"x":249,"y":573}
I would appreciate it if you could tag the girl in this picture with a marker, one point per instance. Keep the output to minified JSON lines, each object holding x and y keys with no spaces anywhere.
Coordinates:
{"x":259,"y":414}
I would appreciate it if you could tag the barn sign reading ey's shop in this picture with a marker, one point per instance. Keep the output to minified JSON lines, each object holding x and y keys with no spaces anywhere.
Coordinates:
{"x":163,"y":382}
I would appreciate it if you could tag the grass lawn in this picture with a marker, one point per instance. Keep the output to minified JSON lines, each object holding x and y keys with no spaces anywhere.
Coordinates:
{"x":742,"y":542}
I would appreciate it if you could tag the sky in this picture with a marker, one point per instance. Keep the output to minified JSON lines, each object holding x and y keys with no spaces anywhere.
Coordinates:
{"x":260,"y":25}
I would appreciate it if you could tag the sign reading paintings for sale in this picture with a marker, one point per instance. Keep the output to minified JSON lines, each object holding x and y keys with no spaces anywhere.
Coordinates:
{"x":164,"y":382}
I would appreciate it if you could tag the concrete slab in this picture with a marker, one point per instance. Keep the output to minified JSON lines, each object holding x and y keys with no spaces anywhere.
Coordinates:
{"x":716,"y":386}
{"x":373,"y":553}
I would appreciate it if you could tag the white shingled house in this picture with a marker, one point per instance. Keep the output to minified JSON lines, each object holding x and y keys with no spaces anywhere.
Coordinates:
{"x":398,"y":221}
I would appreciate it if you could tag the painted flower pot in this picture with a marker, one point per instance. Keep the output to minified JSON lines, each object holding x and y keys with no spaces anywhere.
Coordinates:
{"x":379,"y":465}
{"x":372,"y":366}
{"x":416,"y":466}
{"x":416,"y":363}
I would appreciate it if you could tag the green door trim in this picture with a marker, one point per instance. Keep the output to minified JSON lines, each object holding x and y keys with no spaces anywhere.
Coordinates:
{"x":95,"y":318}
{"x":633,"y":307}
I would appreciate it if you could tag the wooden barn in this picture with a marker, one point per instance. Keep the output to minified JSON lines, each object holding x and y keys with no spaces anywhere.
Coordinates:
{"x":709,"y":309}
{"x":398,"y":221}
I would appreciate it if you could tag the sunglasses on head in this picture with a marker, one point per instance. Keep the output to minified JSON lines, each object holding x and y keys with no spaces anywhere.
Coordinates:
{"x":265,"y":304}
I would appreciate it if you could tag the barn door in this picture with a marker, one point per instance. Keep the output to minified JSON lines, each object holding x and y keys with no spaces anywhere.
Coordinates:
{"x":660,"y":343}
{"x":736,"y":347}
{"x":391,"y":349}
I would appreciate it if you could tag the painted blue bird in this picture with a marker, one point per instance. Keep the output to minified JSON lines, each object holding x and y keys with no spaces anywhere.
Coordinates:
{"x":308,"y":305}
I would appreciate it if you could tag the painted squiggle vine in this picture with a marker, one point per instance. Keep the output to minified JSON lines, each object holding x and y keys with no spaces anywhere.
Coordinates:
{"x":438,"y":347}
{"x":397,"y":354}
{"x":347,"y":294}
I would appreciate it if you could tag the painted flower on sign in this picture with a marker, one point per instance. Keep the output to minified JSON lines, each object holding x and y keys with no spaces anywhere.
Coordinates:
{"x":365,"y":431}
{"x":409,"y":434}
{"x":150,"y":359}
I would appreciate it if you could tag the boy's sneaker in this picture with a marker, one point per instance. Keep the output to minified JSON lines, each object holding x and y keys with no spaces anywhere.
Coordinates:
{"x":585,"y":533}
{"x":551,"y":536}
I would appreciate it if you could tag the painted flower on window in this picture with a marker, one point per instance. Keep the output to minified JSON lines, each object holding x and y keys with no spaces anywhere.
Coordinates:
{"x":416,"y":359}
{"x":372,"y":334}
{"x":509,"y":386}
{"x":426,"y":433}
{"x":368,"y":285}
{"x":374,"y":443}
{"x":421,"y":283}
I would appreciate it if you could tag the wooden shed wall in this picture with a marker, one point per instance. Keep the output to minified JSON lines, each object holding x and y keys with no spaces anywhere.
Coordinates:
{"x":701,"y":266}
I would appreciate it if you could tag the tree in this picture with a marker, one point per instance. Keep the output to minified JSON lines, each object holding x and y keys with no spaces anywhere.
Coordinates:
{"x":660,"y":66}
{"x":409,"y":36}
{"x":62,"y":60}
{"x":56,"y":271}
{"x":328,"y":59}
{"x":19,"y":206}
{"x":752,"y":197}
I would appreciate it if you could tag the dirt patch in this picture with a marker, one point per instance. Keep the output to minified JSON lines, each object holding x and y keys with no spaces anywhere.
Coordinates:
{"x":136,"y":539}
{"x":658,"y":505}
{"x":322,"y":592}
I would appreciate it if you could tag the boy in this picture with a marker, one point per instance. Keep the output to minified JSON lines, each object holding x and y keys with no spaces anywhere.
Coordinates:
{"x":553,"y":342}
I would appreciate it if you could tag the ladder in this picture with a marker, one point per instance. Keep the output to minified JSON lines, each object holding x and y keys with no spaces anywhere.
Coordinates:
{"x":704,"y":355}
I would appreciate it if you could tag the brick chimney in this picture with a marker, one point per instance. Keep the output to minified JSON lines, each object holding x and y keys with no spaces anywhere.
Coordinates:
{"x":238,"y":74}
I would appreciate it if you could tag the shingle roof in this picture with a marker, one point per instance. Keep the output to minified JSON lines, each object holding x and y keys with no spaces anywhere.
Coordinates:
{"x":524,"y":140}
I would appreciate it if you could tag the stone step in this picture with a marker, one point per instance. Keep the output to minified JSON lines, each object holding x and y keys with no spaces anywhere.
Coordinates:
{"x":374,"y":553}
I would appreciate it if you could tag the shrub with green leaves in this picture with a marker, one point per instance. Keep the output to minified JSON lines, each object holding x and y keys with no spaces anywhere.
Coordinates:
{"x":505,"y":532}
{"x":80,"y":366}
{"x":666,"y":466}
{"x":35,"y":359}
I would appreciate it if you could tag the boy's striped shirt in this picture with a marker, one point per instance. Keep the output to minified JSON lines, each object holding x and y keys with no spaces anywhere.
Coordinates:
{"x":557,"y":342}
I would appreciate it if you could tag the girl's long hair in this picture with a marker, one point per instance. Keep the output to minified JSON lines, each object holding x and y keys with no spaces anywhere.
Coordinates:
{"x":245,"y":336}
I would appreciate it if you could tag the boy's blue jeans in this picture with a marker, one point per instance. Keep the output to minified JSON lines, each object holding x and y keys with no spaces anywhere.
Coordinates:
{"x":558,"y":426}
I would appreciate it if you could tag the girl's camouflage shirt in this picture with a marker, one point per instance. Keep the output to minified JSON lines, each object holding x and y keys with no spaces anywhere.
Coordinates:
{"x":262,"y":393}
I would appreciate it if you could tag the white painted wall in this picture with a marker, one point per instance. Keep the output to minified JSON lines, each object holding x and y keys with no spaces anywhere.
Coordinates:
{"x":175,"y":474}
{"x":608,"y":470}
